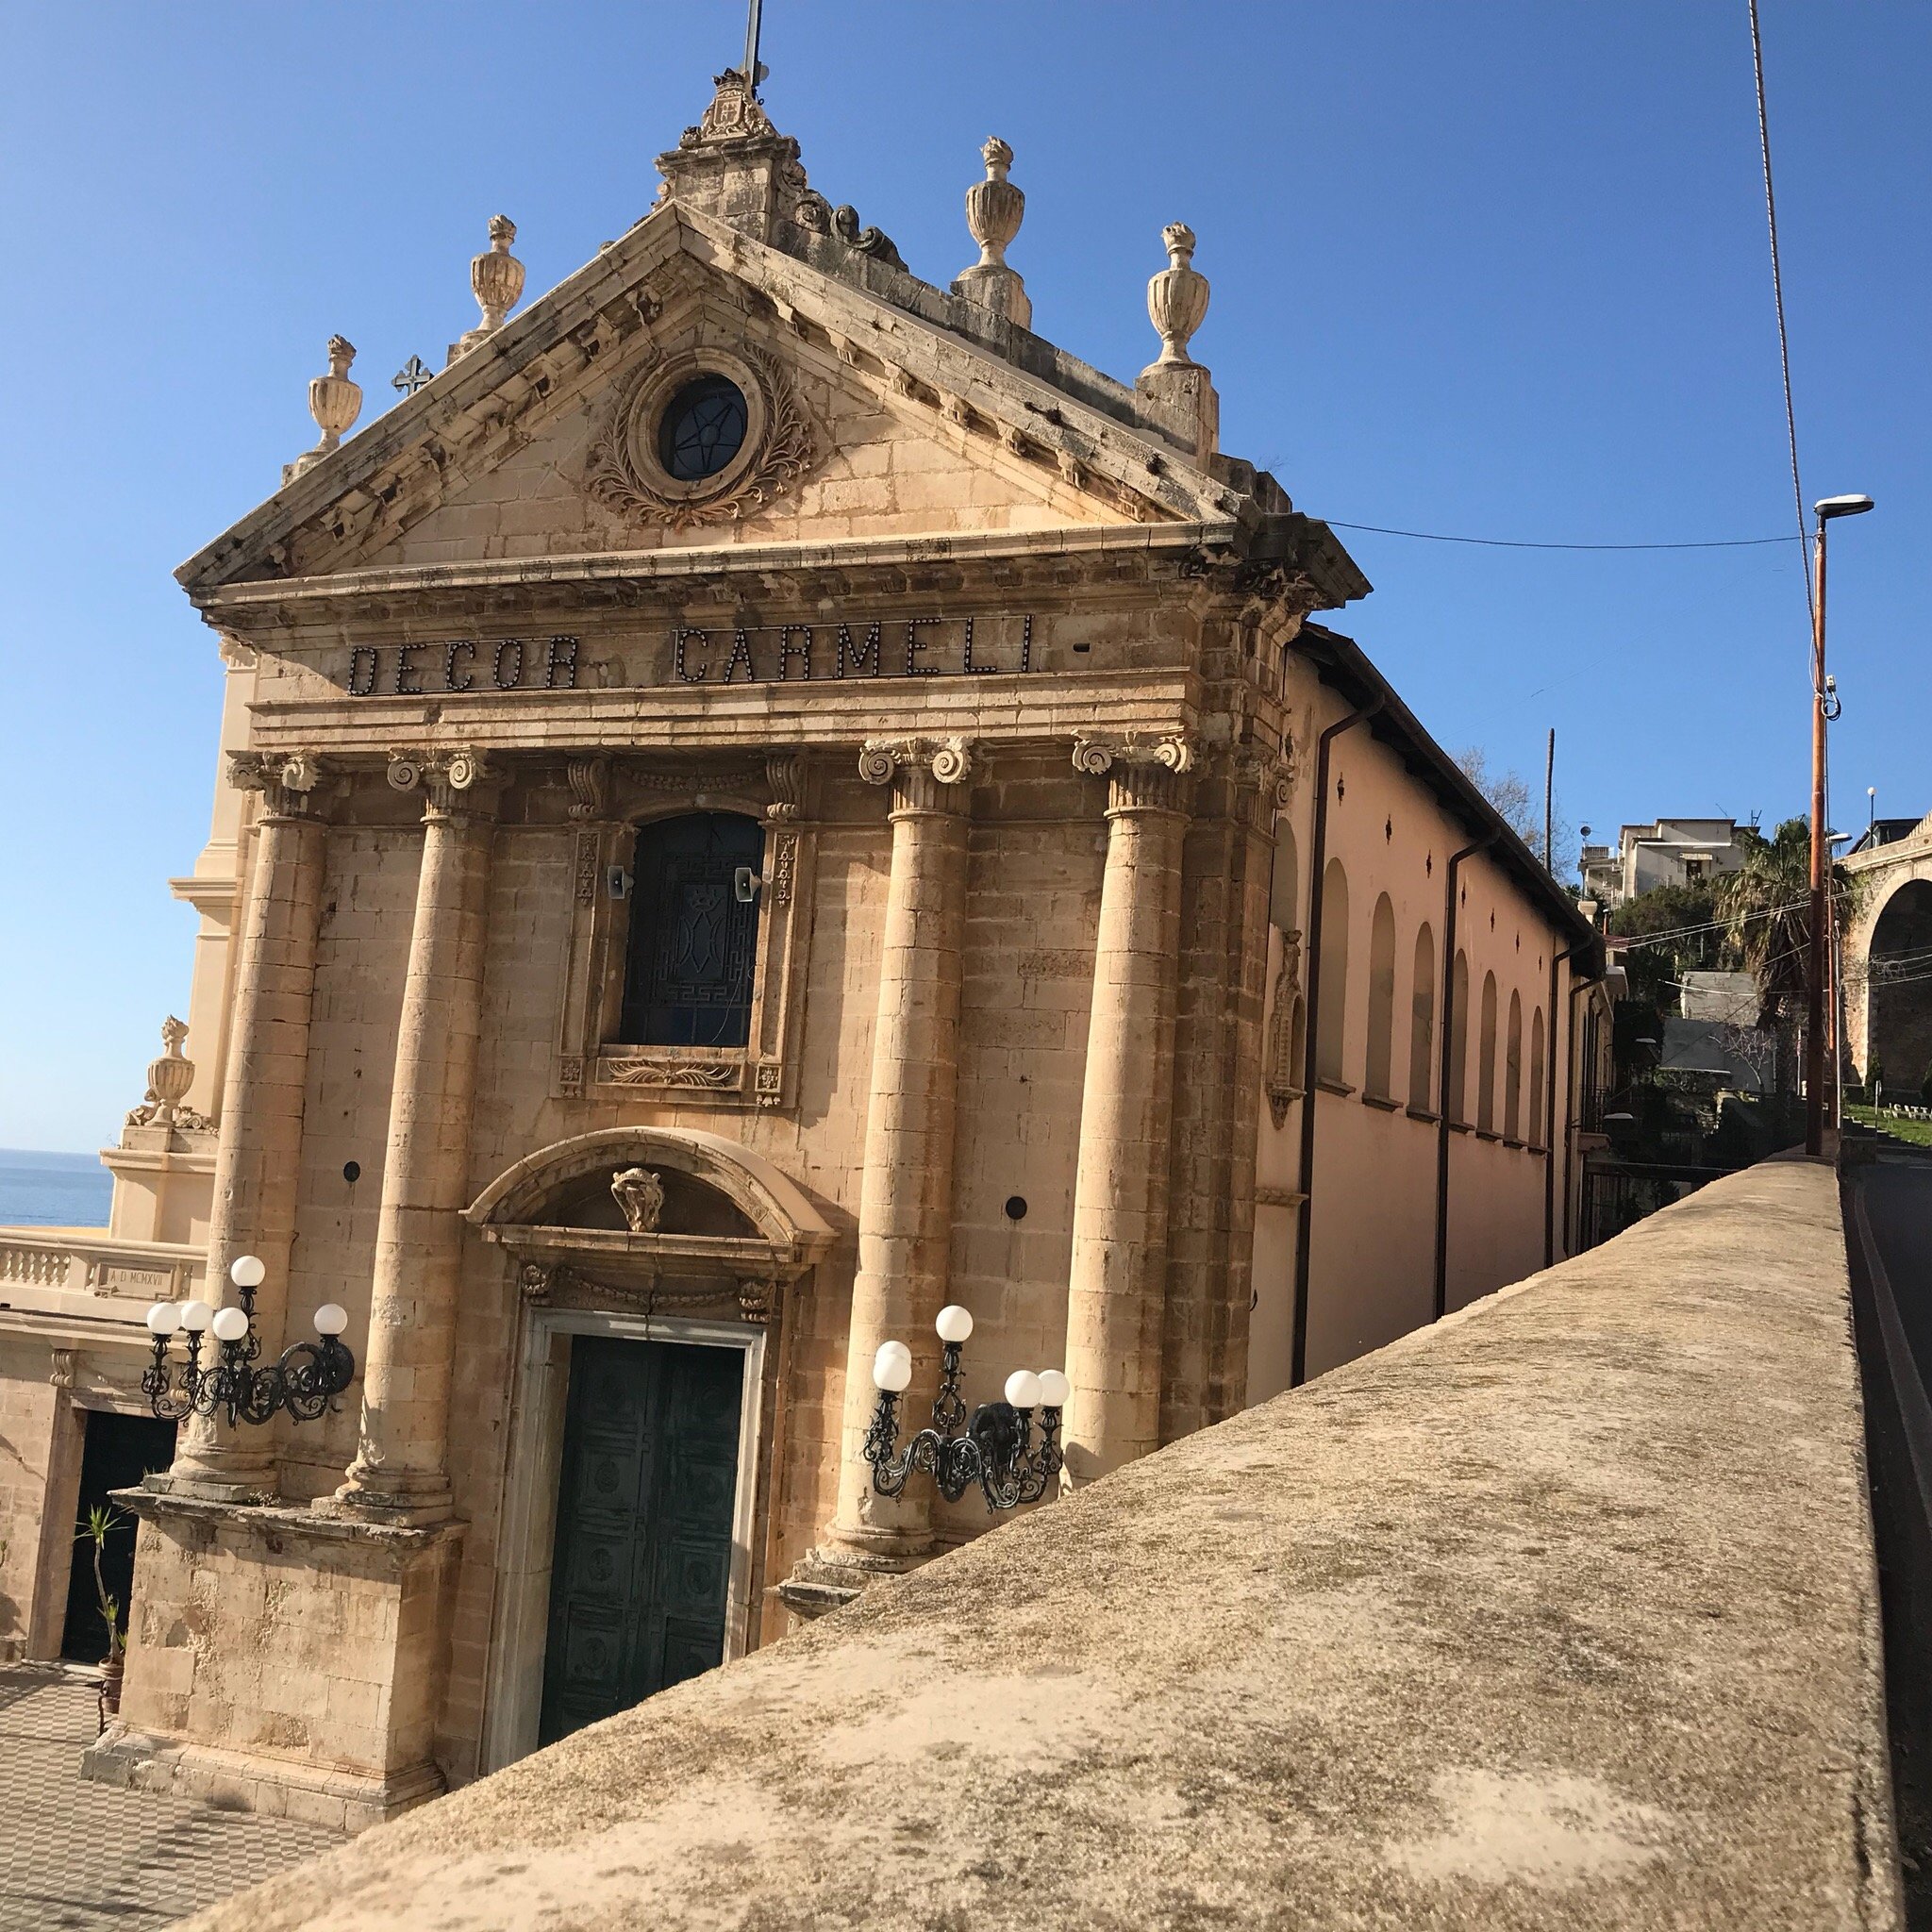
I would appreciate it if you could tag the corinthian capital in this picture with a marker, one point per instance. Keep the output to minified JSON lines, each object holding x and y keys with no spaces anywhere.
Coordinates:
{"x":290,"y":783}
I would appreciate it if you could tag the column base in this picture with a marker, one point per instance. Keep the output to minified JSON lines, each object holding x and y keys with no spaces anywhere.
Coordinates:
{"x":419,"y":1509}
{"x":138,"y":1760}
{"x":283,"y":1658}
{"x":201,"y":1486}
{"x":834,"y":1574}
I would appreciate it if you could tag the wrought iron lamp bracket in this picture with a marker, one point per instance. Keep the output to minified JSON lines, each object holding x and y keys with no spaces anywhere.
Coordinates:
{"x":994,"y":1448}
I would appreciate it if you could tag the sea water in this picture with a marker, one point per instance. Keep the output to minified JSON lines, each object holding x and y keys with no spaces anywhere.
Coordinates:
{"x":52,"y":1190}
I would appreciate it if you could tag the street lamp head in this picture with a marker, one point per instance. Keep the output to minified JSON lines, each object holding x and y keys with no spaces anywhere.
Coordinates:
{"x":195,"y":1316}
{"x":1830,"y":506}
{"x":247,"y":1271}
{"x":230,"y":1325}
{"x":1022,"y":1389}
{"x":954,"y":1323}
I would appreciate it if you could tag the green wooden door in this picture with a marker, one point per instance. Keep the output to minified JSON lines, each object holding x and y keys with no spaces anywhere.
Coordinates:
{"x":642,"y":1561}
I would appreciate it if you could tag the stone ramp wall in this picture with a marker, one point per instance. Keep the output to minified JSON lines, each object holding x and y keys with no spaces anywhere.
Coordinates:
{"x":1559,"y":1614}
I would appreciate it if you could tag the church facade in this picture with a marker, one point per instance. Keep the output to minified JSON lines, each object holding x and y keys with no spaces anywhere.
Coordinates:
{"x":763,"y":800}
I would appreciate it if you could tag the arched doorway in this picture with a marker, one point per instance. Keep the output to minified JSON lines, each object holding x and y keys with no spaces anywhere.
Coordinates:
{"x":1898,"y":990}
{"x":651,"y":1269}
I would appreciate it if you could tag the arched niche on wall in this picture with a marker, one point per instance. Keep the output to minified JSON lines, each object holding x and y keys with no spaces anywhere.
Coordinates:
{"x":1422,"y":1021}
{"x":1378,"y":1080}
{"x":1486,"y":1063}
{"x":1331,"y":1019}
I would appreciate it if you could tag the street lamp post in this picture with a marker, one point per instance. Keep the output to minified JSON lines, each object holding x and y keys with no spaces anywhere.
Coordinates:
{"x":1822,"y":698}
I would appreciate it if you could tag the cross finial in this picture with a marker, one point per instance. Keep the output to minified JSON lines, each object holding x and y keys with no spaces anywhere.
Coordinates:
{"x":754,"y":72}
{"x":410,"y":377}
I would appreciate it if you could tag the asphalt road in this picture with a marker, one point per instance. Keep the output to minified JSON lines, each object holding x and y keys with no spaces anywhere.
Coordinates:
{"x":1894,"y":1194}
{"x":1889,"y":1244}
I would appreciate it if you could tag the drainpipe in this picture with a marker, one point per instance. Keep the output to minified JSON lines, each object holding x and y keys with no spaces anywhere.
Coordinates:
{"x":1577,"y":992}
{"x":1311,"y":1009}
{"x":1550,"y":1108}
{"x":1444,"y":1063}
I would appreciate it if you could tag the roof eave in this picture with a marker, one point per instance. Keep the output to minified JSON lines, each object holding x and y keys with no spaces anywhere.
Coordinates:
{"x":1345,"y":665}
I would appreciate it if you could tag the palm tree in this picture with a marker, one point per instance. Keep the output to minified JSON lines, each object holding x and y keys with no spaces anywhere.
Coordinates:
{"x":1766,"y":907}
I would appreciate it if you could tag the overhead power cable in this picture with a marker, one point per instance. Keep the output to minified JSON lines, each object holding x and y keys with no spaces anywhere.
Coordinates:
{"x":1777,"y":295}
{"x":1681,"y":932}
{"x":1524,"y":543}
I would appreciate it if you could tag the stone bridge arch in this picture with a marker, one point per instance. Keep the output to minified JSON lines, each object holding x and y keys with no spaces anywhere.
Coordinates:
{"x":1887,"y":949}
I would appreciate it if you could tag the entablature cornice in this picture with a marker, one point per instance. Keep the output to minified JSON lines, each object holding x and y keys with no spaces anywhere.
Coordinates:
{"x":744,"y":720}
{"x":729,"y":575}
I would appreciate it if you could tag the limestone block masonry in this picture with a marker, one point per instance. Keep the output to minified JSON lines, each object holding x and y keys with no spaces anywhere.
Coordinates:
{"x":761,"y":722}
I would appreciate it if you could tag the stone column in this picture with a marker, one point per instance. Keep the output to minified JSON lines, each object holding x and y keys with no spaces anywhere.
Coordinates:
{"x":1116,"y":1287}
{"x":906,"y":1197}
{"x":258,"y":1151}
{"x":400,"y":1471}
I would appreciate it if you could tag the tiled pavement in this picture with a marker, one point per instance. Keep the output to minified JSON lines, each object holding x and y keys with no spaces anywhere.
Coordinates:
{"x":76,"y":1857}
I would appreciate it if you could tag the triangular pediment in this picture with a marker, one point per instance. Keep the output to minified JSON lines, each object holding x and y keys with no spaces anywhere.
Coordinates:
{"x":863,"y":421}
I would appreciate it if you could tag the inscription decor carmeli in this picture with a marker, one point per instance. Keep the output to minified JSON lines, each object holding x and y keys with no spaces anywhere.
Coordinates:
{"x":983,"y":645}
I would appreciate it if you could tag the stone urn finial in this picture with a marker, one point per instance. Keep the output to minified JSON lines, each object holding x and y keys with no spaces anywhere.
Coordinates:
{"x":496,"y":276}
{"x":497,"y":279}
{"x":334,"y":401}
{"x":1177,"y":296}
{"x":995,"y":209}
{"x":168,"y":1081}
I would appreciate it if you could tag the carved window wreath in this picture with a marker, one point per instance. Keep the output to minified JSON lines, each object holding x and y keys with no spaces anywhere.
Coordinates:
{"x":628,"y":470}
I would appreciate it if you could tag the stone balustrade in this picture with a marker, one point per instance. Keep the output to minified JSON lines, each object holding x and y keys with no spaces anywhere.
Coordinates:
{"x":84,"y":1262}
{"x":1560,"y":1613}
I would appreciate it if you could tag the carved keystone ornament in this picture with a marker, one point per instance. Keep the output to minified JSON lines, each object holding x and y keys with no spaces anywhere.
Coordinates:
{"x":639,"y":1193}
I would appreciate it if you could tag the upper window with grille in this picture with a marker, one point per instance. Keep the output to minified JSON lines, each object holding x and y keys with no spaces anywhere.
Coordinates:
{"x":692,"y":957}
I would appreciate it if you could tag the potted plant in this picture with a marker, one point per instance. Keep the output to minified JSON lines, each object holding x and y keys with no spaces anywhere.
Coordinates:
{"x":100,"y":1520}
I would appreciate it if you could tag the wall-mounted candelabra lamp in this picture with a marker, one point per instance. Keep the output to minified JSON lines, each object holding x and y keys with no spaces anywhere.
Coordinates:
{"x":994,"y":1448}
{"x":307,"y":1377}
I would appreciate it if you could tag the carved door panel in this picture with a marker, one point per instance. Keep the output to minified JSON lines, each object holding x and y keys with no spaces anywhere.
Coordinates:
{"x":642,"y":1560}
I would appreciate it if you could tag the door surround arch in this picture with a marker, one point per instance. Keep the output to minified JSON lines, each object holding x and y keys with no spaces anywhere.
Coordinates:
{"x":717,"y":1289}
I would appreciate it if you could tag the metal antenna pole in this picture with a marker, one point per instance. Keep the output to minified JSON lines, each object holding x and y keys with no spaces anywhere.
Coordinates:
{"x":1550,"y":806}
{"x":752,"y":72}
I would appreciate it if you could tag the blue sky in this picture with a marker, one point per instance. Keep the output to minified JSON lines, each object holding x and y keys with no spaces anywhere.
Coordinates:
{"x":1481,"y":268}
